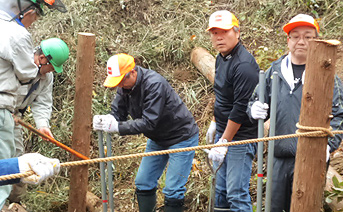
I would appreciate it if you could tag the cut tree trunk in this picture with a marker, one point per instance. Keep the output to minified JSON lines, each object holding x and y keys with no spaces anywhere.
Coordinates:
{"x":93,"y":203}
{"x":204,"y":62}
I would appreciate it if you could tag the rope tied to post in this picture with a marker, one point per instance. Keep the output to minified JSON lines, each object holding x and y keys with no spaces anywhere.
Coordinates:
{"x":322,"y":131}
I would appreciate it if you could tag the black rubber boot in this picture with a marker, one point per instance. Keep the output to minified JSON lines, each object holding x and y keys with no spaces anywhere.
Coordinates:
{"x":173,"y":205}
{"x":146,"y":200}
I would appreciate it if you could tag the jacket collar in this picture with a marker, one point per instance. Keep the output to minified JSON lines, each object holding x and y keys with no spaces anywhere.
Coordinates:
{"x":7,"y":17}
{"x":138,"y":81}
{"x":233,"y":51}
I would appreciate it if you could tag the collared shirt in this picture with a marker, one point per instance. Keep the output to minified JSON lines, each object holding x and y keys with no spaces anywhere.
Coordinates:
{"x":235,"y":79}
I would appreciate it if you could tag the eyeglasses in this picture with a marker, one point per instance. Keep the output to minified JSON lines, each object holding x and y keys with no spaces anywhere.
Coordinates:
{"x":296,"y":38}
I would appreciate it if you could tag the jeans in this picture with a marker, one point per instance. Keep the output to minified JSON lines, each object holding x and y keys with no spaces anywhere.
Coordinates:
{"x":232,"y":179}
{"x":179,"y":168}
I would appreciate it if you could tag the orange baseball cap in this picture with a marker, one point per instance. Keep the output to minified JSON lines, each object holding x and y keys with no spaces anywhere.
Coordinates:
{"x":301,"y":20}
{"x":117,"y":66}
{"x":222,"y":19}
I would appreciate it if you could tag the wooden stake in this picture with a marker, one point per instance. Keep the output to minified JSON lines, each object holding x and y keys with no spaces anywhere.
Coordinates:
{"x":82,"y":120}
{"x":316,"y":106}
{"x":204,"y":62}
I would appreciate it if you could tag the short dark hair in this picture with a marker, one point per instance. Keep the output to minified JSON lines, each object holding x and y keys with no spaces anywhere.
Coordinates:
{"x":39,"y":51}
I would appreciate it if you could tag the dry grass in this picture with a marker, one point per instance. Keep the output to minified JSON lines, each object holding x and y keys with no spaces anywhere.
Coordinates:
{"x":160,"y":34}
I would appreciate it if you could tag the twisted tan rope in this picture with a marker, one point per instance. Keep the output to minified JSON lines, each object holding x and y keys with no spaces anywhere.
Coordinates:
{"x":318,"y":133}
{"x":328,"y":131}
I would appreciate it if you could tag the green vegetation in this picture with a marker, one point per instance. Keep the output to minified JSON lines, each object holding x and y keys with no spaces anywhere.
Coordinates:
{"x":161,"y":35}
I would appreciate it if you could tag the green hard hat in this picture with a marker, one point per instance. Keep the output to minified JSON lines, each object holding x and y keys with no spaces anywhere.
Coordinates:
{"x":57,"y":52}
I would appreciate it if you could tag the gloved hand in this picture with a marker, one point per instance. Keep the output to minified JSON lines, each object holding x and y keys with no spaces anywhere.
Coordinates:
{"x":259,"y":110}
{"x":211,"y":133}
{"x":97,"y":122}
{"x":218,"y":153}
{"x":110,"y":124}
{"x":328,"y":148}
{"x":42,"y":166}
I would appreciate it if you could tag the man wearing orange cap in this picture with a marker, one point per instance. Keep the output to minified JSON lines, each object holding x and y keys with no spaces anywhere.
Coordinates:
{"x":291,"y":71}
{"x":235,"y":79}
{"x":159,"y":113}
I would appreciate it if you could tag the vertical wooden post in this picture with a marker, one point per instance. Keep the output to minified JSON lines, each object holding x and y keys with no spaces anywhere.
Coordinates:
{"x":316,"y":106}
{"x":82,"y":120}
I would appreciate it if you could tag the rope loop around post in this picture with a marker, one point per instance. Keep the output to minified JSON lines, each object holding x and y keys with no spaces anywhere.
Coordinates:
{"x":322,"y":131}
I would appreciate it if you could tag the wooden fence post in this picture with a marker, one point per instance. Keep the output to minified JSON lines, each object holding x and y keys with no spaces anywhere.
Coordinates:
{"x":316,"y":106}
{"x":82,"y":120}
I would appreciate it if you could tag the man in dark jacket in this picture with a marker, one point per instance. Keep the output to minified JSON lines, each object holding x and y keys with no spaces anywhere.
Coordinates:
{"x":235,"y":79}
{"x":159,"y":113}
{"x":291,"y":71}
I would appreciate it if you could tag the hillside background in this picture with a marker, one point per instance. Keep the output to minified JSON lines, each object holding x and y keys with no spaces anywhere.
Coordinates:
{"x":161,"y":35}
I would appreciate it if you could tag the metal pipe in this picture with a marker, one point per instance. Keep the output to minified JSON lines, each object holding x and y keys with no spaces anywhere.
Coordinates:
{"x":110,"y":173}
{"x":260,"y":146}
{"x":213,"y":180}
{"x":273,"y":104}
{"x":102,"y":172}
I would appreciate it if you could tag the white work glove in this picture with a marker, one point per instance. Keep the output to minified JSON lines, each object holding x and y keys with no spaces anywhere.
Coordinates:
{"x":97,"y":122}
{"x":218,"y":153}
{"x":259,"y":110}
{"x":110,"y":124}
{"x":42,"y":166}
{"x":211,"y":132}
{"x":328,"y":148}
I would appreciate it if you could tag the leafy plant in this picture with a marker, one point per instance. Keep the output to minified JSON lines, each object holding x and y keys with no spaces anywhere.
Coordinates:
{"x":336,"y":192}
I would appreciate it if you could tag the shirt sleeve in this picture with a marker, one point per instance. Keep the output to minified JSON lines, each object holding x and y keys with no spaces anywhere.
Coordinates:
{"x":245,"y":80}
{"x":23,"y":59}
{"x":9,"y":166}
{"x":42,"y":105}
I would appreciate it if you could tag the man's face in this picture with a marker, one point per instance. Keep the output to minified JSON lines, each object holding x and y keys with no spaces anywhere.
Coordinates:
{"x":46,"y":67}
{"x":224,"y":40}
{"x":128,"y":81}
{"x":297,"y":41}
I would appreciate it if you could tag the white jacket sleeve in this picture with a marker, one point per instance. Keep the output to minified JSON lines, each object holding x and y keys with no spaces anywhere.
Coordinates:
{"x":42,"y":105}
{"x":22,"y":59}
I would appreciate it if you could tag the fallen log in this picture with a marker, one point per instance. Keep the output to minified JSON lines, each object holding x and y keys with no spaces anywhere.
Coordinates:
{"x":204,"y":62}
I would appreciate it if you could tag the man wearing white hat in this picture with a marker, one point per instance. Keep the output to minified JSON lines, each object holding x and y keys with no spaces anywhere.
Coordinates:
{"x":235,"y":79}
{"x":159,"y":113}
{"x":291,"y":71}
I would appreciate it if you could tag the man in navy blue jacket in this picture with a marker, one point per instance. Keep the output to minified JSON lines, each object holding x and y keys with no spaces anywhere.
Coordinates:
{"x":159,"y":113}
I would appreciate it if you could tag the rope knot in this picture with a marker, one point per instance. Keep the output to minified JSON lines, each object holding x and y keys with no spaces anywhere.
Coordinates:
{"x":322,"y":131}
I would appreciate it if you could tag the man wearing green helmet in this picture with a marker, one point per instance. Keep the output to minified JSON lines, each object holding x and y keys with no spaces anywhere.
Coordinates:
{"x":17,"y":65}
{"x":49,"y":57}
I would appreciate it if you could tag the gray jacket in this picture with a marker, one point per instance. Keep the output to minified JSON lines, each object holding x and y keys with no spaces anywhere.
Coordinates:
{"x":288,"y":111}
{"x":40,"y":100}
{"x":16,"y":60}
